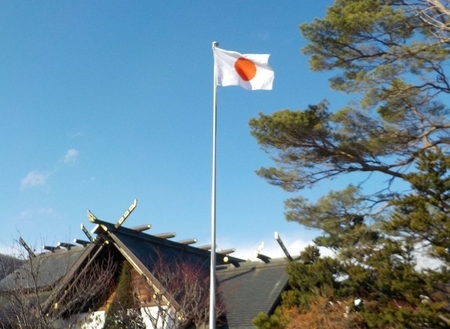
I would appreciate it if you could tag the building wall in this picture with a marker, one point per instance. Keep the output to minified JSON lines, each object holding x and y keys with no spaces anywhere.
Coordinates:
{"x":143,"y":294}
{"x":95,"y":320}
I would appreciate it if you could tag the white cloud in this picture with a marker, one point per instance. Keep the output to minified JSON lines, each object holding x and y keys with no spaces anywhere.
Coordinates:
{"x":35,"y":178}
{"x":39,"y":211}
{"x":32,"y":179}
{"x":294,"y":245}
{"x":271,"y":247}
{"x":77,"y":134}
{"x":70,"y":156}
{"x":246,"y":249}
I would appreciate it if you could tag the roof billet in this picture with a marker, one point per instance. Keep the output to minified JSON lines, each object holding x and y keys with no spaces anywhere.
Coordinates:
{"x":205,"y":247}
{"x":226,"y":251}
{"x":84,"y":243}
{"x":142,"y":228}
{"x":188,"y":241}
{"x":165,"y":235}
{"x":264,"y":258}
{"x":50,"y":248}
{"x":65,"y":245}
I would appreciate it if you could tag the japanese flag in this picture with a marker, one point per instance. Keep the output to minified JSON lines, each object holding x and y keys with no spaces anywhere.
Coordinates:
{"x":250,"y":71}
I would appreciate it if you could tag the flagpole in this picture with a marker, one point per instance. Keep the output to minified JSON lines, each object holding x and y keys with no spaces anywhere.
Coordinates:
{"x":212,"y":279}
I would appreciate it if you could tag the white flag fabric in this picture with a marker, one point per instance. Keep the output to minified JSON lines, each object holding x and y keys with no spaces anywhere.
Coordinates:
{"x":250,"y":71}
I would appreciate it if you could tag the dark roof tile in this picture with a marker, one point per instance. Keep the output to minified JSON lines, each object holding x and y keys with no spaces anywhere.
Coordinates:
{"x":251,"y":288}
{"x":42,"y":271}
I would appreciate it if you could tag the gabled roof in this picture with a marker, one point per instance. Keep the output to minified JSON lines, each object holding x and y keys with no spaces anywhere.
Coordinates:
{"x":247,"y":288}
{"x":42,"y":271}
{"x":252,"y":288}
{"x":142,"y":250}
{"x":145,"y":247}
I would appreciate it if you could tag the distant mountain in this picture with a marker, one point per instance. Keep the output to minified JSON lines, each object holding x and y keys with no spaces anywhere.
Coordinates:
{"x":8,"y":264}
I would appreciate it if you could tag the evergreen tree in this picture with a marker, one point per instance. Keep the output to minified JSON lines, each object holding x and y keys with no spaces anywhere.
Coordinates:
{"x":392,"y":55}
{"x":124,"y":312}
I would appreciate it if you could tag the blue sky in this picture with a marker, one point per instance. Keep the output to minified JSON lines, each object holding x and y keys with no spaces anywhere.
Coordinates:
{"x":104,"y":102}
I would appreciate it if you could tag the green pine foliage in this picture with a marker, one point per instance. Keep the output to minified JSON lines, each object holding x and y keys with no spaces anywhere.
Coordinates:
{"x":424,"y":213}
{"x":391,"y":142}
{"x":274,"y":321}
{"x":123,"y":312}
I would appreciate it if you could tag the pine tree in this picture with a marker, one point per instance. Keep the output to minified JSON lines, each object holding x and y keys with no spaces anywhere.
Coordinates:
{"x":124,"y":312}
{"x":392,"y":143}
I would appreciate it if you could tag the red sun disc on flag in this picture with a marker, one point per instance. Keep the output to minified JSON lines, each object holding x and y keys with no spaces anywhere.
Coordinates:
{"x":245,"y":68}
